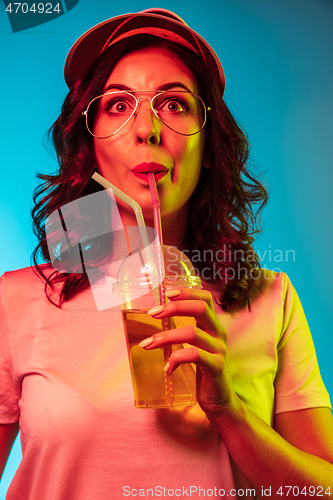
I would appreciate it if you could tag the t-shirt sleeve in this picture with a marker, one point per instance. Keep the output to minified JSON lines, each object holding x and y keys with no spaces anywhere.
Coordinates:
{"x":9,"y":388}
{"x":298,"y":382}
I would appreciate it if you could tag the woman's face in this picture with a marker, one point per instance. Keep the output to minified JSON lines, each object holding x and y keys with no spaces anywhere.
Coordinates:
{"x":145,"y":140}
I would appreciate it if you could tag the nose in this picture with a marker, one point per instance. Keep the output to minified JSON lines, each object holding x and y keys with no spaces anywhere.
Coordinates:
{"x":147,"y":127}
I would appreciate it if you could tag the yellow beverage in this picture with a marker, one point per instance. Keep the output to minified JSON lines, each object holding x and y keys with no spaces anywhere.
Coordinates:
{"x":152,"y":387}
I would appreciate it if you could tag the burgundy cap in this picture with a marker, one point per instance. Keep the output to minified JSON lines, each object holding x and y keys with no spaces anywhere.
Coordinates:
{"x":159,"y":22}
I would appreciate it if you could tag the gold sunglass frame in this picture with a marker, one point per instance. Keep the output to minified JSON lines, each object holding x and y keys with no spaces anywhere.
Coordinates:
{"x":137,"y":100}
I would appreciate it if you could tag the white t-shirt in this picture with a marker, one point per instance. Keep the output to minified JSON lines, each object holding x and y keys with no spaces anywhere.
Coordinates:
{"x":64,"y":374}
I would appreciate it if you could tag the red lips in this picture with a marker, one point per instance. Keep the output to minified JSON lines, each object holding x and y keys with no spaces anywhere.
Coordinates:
{"x":141,"y":170}
{"x":145,"y":168}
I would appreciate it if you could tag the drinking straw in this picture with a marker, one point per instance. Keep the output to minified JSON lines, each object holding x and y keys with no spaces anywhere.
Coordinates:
{"x":139,"y":218}
{"x":168,"y":377}
{"x":156,"y":206}
{"x":129,"y":201}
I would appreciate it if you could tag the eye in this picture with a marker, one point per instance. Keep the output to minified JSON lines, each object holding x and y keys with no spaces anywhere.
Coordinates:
{"x":173,"y":105}
{"x":119,"y":106}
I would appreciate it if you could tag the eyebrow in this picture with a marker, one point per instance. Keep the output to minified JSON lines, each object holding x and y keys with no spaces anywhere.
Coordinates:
{"x":166,"y":86}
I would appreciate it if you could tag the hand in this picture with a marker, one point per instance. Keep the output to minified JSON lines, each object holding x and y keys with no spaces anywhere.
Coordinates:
{"x":209,"y":347}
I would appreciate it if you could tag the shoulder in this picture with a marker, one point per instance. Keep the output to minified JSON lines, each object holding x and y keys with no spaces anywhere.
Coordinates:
{"x":270,"y":280}
{"x":272,"y":299}
{"x":25,"y":275}
{"x":24,"y":282}
{"x":270,"y":288}
{"x":276,"y":299}
{"x":275,"y":287}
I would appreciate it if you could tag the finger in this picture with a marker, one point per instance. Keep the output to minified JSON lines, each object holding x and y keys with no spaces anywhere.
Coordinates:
{"x":184,"y":335}
{"x":209,"y":362}
{"x":198,"y":309}
{"x":191,"y":294}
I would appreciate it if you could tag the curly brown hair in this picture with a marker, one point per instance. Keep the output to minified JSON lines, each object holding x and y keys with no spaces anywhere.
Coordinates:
{"x":225,"y":206}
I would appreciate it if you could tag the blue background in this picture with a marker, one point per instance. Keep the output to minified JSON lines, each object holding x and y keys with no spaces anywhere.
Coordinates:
{"x":277,"y":56}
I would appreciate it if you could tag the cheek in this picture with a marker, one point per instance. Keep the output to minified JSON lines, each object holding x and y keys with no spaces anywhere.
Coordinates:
{"x":192,"y":156}
{"x":105,"y":151}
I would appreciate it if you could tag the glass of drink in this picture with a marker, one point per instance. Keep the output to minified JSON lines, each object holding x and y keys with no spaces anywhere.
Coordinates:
{"x":139,"y":284}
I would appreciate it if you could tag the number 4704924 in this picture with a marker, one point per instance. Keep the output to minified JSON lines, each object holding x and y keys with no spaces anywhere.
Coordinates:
{"x":39,"y":8}
{"x":310,"y":491}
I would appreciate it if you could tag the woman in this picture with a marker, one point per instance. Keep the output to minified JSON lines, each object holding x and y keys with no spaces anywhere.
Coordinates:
{"x":263,"y":422}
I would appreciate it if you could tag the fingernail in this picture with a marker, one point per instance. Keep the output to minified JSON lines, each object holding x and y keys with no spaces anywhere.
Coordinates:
{"x":155,"y":310}
{"x":166,"y":368}
{"x":146,"y":342}
{"x":172,"y":293}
